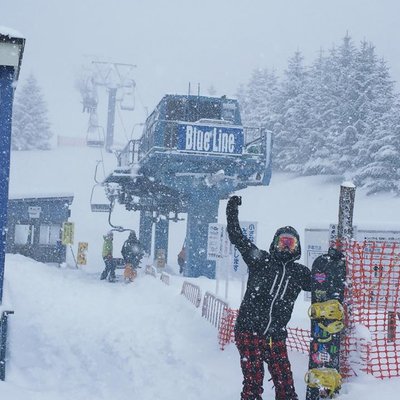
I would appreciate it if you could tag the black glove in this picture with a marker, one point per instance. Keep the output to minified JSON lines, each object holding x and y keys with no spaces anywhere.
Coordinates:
{"x":235,"y":201}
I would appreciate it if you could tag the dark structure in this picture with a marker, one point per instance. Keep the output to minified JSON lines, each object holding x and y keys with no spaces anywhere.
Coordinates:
{"x":194,"y":152}
{"x":35,"y":227}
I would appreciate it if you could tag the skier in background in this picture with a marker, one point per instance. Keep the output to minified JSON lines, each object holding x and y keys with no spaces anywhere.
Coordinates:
{"x":107,"y":254}
{"x":132,"y":253}
{"x":275,"y":280}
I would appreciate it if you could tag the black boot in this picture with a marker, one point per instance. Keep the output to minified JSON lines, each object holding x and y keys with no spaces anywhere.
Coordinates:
{"x":103,"y":275}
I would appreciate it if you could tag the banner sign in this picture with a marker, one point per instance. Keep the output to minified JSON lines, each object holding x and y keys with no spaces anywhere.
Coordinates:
{"x":68,"y":233}
{"x":217,"y":242}
{"x":239,"y":267}
{"x":210,"y":139}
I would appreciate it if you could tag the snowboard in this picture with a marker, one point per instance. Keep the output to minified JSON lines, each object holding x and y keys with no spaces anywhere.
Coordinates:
{"x":328,"y":274}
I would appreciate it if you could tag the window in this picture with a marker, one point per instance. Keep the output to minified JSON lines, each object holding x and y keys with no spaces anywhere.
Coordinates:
{"x":228,"y":112}
{"x":23,"y":234}
{"x":49,"y":234}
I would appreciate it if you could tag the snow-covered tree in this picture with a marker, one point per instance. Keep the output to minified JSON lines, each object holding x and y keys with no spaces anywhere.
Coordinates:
{"x":291,"y":145}
{"x":338,"y":116}
{"x":322,"y":117}
{"x":30,"y":128}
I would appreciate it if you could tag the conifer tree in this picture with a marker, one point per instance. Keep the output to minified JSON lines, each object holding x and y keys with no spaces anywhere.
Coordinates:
{"x":322,"y":117}
{"x":341,"y":116}
{"x":291,"y":144}
{"x":30,"y":129}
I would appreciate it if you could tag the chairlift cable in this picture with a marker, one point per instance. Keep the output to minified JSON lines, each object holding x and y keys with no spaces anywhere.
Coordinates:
{"x":141,"y":102}
{"x":122,"y":122}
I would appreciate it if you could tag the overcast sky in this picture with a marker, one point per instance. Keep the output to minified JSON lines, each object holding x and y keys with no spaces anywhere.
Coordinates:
{"x":174,"y":42}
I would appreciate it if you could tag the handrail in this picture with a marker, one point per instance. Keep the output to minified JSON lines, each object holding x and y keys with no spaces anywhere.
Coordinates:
{"x":126,"y":158}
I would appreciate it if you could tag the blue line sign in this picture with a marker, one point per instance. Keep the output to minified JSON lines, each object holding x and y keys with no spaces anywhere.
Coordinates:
{"x":210,"y":139}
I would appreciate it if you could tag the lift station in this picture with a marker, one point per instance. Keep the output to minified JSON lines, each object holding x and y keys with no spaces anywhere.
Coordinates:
{"x":194,"y":151}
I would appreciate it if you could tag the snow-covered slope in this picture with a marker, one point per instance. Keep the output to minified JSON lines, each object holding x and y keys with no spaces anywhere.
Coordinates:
{"x":76,"y":337}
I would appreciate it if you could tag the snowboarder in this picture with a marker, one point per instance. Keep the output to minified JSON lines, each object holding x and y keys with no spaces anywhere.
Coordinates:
{"x":132,"y":254}
{"x":107,"y":254}
{"x":275,"y":280}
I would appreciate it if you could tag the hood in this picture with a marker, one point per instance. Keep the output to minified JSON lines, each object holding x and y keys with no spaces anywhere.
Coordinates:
{"x":277,"y":254}
{"x":132,"y":236}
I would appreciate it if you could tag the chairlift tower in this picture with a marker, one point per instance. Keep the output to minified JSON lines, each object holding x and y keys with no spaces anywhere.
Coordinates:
{"x":117,"y":79}
{"x":194,"y":151}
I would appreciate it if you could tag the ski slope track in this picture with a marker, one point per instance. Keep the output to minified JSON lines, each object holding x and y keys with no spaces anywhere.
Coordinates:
{"x":75,"y":337}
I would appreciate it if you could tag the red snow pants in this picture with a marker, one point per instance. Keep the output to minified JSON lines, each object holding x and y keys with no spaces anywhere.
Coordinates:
{"x":254,"y":350}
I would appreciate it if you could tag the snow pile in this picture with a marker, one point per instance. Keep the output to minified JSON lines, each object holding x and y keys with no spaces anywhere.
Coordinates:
{"x":73,"y":336}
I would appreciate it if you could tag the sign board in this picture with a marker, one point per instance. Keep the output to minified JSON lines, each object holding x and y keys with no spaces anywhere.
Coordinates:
{"x":68,"y":233}
{"x":81,"y":258}
{"x":210,"y":139}
{"x":217,"y":242}
{"x":34,"y":211}
{"x":239,"y":267}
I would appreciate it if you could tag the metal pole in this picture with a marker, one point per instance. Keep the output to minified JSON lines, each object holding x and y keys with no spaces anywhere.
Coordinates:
{"x":6,"y":99}
{"x":112,"y":96}
{"x":203,"y":210}
{"x":161,"y":236}
{"x":3,"y":343}
{"x":146,"y":230}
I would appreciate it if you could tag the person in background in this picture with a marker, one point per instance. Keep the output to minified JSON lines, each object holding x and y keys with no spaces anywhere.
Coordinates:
{"x":107,"y":253}
{"x":275,"y":280}
{"x":132,"y":253}
{"x":182,"y":259}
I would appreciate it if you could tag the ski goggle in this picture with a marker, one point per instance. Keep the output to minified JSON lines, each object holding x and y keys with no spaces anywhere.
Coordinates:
{"x":286,"y":241}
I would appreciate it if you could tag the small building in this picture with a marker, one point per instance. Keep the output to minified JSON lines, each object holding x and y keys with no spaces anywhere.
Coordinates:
{"x":34,"y":226}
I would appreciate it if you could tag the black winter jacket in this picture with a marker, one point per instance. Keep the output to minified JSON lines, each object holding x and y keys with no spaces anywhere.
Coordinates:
{"x":132,"y":251}
{"x":273,"y":283}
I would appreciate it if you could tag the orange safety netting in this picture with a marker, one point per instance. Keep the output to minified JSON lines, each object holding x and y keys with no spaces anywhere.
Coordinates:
{"x":371,"y":341}
{"x":298,"y":339}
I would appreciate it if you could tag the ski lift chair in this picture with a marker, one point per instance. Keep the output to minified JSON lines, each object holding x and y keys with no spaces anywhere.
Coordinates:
{"x":99,"y":206}
{"x":128,"y":98}
{"x":95,"y":136}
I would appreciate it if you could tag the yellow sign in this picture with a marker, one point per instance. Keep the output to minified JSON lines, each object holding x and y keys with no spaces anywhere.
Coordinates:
{"x":81,"y":258}
{"x":68,"y":233}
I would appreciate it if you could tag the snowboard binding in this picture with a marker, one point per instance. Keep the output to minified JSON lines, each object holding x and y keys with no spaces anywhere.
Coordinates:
{"x":327,"y":380}
{"x":330,"y":309}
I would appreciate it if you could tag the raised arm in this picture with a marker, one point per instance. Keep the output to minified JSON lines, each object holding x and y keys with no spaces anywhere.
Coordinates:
{"x":247,"y":249}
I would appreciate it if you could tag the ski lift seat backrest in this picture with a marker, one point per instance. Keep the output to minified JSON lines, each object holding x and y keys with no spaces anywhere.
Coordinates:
{"x":95,"y":136}
{"x":95,"y":204}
